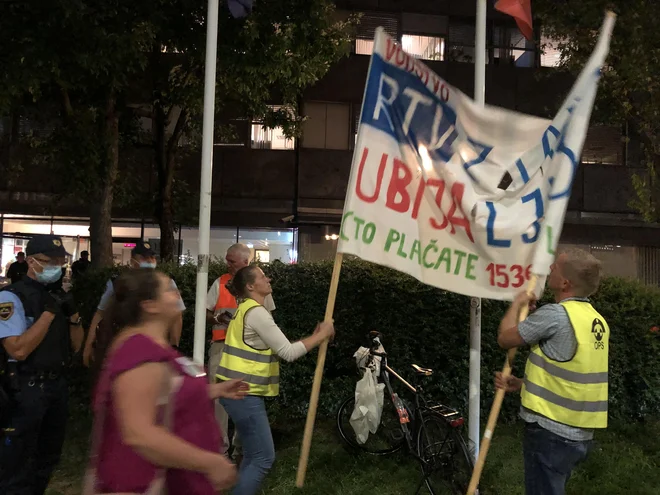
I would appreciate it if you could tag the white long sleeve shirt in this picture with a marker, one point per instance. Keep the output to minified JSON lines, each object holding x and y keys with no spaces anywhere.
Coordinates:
{"x":261,"y":332}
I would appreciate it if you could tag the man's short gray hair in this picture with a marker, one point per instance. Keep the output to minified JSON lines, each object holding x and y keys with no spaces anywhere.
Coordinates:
{"x":583,"y":270}
{"x":240,"y":250}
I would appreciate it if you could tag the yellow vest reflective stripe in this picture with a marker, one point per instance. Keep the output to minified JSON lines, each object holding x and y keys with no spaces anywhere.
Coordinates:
{"x":259,"y":369}
{"x":572,"y":392}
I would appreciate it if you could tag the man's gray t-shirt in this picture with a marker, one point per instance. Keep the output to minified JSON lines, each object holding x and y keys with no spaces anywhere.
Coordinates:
{"x":550,"y":327}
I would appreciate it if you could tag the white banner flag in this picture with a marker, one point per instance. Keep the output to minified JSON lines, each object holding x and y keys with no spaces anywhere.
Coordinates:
{"x":464,"y":198}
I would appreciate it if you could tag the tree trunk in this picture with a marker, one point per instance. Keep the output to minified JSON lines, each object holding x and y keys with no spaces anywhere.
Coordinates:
{"x":9,"y":140}
{"x":160,"y":122}
{"x":166,"y":151}
{"x":100,"y":225}
{"x":164,"y":195}
{"x":166,"y":223}
{"x":100,"y":230}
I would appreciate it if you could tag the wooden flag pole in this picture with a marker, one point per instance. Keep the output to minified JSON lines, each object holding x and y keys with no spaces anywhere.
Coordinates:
{"x":497,"y":403}
{"x":318,"y":376}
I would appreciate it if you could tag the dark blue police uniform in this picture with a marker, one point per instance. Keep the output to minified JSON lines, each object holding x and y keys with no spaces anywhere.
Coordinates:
{"x":33,"y":425}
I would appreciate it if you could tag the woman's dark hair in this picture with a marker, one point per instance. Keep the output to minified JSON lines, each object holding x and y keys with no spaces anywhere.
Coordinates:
{"x":237,"y":287}
{"x":131,"y":289}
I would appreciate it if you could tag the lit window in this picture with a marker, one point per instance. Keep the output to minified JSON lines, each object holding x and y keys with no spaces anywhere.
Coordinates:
{"x":550,"y":55}
{"x":423,"y":47}
{"x":264,"y":138}
{"x":270,"y":139}
{"x":364,"y":47}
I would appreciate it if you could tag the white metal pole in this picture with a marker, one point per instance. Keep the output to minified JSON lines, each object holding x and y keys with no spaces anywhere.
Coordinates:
{"x":205,"y":182}
{"x":475,"y":374}
{"x":475,"y":303}
{"x":480,"y":54}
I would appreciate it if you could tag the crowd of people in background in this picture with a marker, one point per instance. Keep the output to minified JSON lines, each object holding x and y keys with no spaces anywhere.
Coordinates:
{"x":16,"y":270}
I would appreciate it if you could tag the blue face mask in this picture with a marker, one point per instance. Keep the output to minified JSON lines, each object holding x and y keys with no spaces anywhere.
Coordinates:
{"x":145,"y":264}
{"x":49,"y":274}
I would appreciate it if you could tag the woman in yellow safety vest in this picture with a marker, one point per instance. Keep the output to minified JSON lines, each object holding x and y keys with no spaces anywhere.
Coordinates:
{"x":253,"y":347}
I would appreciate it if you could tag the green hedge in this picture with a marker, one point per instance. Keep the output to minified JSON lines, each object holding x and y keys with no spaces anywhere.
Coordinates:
{"x":421,"y":325}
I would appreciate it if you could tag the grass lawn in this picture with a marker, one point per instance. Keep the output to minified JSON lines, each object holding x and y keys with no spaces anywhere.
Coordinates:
{"x":626,"y":460}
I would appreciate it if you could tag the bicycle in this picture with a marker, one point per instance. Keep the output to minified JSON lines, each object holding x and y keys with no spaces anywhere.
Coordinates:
{"x":432,"y":431}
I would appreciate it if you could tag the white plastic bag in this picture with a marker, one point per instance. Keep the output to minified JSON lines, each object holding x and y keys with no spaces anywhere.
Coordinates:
{"x":362,"y":356}
{"x":368,"y":406}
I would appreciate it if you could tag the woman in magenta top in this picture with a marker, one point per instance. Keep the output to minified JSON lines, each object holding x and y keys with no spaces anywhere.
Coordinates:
{"x":134,"y":444}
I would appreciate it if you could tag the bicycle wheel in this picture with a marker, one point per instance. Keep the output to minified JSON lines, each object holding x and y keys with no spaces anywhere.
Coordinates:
{"x":447,"y":457}
{"x":387,"y":439}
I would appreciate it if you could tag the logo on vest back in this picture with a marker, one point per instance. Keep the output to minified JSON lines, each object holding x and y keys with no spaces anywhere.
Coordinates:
{"x":598,"y":329}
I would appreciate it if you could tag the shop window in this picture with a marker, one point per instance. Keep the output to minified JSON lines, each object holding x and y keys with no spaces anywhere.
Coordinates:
{"x":262,"y":255}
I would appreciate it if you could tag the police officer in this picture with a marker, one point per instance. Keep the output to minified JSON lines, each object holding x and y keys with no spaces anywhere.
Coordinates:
{"x":142,"y":256}
{"x":36,"y":329}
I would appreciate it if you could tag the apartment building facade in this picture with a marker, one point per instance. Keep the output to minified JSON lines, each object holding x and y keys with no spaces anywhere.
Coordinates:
{"x":286,"y":196}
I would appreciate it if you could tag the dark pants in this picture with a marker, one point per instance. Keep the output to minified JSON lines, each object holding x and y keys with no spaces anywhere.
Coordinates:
{"x":549,"y":460}
{"x":32,"y":443}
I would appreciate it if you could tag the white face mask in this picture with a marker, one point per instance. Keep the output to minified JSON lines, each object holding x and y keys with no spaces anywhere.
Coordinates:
{"x":141,"y":264}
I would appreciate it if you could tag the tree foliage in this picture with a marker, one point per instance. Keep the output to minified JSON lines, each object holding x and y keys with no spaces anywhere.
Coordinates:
{"x":270,"y":57}
{"x":75,"y":59}
{"x":629,"y":91}
{"x":110,"y":62}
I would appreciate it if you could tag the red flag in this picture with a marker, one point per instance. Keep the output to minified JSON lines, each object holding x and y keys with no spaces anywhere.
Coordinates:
{"x":521,"y":11}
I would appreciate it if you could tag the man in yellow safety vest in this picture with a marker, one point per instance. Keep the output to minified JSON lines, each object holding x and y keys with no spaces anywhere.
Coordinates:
{"x":564,"y":390}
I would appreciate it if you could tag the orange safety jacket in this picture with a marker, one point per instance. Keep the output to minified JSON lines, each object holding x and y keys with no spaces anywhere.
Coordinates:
{"x":225,"y":301}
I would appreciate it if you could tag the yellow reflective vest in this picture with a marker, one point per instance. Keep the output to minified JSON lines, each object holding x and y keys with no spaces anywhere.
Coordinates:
{"x":259,"y":369}
{"x":572,"y":392}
